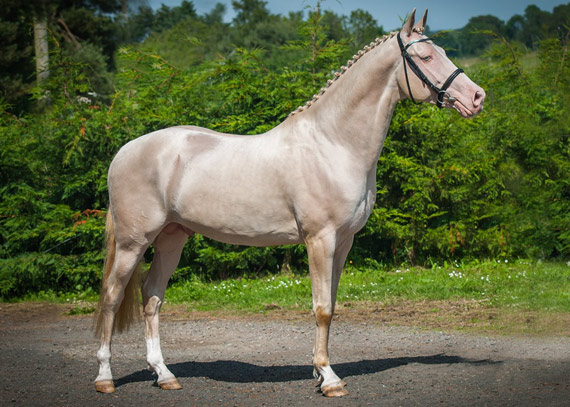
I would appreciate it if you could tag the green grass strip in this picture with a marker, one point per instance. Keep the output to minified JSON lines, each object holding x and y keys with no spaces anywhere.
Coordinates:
{"x":523,"y":284}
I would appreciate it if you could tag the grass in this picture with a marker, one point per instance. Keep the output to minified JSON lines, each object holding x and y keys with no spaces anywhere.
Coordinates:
{"x":524,"y":285}
{"x":81,"y":310}
{"x":86,"y":296}
{"x":523,"y":296}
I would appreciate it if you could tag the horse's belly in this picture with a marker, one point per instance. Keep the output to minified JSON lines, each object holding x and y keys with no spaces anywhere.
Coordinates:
{"x":251,"y":238}
{"x":259,"y":222}
{"x":247,"y":234}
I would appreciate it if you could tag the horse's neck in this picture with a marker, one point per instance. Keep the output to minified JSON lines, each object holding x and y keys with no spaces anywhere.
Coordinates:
{"x":355,"y":111}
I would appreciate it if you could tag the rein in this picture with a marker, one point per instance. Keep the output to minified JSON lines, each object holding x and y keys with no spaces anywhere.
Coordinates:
{"x":441,"y":92}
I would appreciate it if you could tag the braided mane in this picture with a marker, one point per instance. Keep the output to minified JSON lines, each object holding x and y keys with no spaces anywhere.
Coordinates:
{"x":343,"y":69}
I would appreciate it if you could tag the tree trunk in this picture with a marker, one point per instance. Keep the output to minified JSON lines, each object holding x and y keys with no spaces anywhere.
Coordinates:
{"x":41,"y":48}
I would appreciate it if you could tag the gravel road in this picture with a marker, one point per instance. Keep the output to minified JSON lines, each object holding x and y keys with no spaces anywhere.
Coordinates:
{"x":48,"y":359}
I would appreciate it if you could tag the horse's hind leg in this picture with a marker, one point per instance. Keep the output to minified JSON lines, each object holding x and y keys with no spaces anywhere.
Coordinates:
{"x":123,"y":264}
{"x":167,"y":250}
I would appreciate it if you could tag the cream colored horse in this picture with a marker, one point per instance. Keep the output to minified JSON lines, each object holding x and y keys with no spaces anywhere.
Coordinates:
{"x":311,"y":180}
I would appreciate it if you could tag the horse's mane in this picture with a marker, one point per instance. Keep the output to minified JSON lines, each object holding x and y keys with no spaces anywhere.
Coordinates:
{"x":343,"y":69}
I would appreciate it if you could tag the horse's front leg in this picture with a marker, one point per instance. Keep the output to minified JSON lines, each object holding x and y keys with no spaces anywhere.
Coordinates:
{"x":168,"y":248}
{"x":326,"y":260}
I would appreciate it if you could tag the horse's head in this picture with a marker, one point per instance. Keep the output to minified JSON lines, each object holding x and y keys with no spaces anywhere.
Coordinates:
{"x":427,"y":74}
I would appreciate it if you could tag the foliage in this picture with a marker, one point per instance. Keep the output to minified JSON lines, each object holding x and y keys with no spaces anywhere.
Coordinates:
{"x":448,"y":188}
{"x":84,"y":28}
{"x":471,"y":39}
{"x":363,"y":27}
{"x":492,"y":186}
{"x":91,"y":31}
{"x":530,"y":30}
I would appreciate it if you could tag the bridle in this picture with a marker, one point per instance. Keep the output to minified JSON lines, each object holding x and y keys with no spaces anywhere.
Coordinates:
{"x":441,"y":92}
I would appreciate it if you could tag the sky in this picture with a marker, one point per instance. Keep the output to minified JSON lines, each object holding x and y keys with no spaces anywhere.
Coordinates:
{"x":443,"y":14}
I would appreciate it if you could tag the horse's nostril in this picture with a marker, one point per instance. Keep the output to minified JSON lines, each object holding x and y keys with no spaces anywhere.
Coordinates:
{"x":478,"y":98}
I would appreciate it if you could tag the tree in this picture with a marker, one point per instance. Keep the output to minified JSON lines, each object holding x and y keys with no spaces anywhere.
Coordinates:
{"x":515,"y":28}
{"x":255,"y":27}
{"x":334,"y":26}
{"x":249,"y":12}
{"x":166,"y":17}
{"x":71,"y":24}
{"x":136,"y":26}
{"x":536,"y":25}
{"x":41,"y":47}
{"x":560,"y":21}
{"x":16,"y":54}
{"x":363,"y":28}
{"x":216,"y":14}
{"x":472,"y":40}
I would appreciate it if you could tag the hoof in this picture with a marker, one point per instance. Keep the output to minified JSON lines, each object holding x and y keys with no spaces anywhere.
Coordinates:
{"x":334,"y":390}
{"x":171,"y":384}
{"x":105,"y":386}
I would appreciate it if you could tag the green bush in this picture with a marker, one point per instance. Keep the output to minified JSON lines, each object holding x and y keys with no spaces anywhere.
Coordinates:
{"x":494,"y":186}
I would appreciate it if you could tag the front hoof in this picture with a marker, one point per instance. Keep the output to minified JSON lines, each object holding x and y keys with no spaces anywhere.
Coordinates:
{"x":105,"y":386}
{"x":171,"y":384}
{"x":334,"y":390}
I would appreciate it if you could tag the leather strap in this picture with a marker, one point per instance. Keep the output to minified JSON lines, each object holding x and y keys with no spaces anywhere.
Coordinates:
{"x":441,"y":92}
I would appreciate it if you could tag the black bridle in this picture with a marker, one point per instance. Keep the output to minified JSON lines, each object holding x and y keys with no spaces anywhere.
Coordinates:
{"x":441,"y":92}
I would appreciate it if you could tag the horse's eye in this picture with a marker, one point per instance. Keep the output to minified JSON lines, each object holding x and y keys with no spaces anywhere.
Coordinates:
{"x":427,"y":59}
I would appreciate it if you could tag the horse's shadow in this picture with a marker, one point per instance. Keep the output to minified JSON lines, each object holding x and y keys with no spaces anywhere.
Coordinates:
{"x":241,"y":372}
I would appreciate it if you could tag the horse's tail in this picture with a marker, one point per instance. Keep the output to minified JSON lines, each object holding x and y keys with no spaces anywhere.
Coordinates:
{"x":128,"y":311}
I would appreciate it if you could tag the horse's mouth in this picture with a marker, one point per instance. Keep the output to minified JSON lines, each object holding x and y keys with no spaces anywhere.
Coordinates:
{"x":464,"y":111}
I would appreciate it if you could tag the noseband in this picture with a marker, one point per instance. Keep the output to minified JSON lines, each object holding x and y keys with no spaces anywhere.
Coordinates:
{"x":441,"y":92}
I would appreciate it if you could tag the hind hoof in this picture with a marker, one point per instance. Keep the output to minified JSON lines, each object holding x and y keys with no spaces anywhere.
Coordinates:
{"x":171,"y":384}
{"x":105,"y":386}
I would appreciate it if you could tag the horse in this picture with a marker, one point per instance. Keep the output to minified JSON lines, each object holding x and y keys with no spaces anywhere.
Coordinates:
{"x":310,"y":180}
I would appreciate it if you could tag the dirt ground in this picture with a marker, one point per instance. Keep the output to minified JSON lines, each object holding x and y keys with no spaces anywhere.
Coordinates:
{"x":47,"y":358}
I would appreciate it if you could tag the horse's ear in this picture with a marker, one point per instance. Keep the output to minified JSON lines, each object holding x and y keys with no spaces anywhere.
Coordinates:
{"x":407,"y":28}
{"x":422,"y":24}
